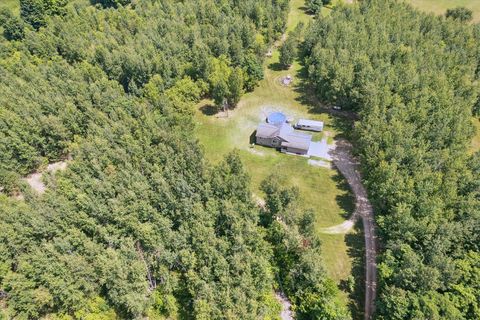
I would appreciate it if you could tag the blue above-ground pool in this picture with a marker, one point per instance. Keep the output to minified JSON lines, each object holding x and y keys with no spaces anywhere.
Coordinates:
{"x":276,"y":118}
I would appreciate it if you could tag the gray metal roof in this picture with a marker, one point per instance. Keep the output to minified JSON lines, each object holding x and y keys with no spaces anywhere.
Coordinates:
{"x":311,"y":123}
{"x":297,"y":140}
{"x":285,"y":132}
{"x":266,"y":130}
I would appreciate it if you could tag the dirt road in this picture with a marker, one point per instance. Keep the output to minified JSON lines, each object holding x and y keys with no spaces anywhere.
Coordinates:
{"x":286,"y":313}
{"x":349,"y":167}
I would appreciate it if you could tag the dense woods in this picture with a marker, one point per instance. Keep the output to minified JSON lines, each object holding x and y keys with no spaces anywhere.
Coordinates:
{"x":413,"y":79}
{"x":139,"y":225}
{"x":297,"y":254}
{"x":142,"y":48}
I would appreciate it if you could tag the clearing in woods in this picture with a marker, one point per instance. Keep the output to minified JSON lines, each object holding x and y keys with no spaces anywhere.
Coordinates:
{"x":439,"y":7}
{"x":322,"y":189}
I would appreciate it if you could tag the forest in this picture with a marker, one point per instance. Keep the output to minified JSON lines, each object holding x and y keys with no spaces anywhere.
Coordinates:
{"x":412,"y":78}
{"x":140,"y":225}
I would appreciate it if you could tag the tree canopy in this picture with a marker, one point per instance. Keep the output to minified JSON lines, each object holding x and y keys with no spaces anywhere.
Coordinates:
{"x":139,"y":225}
{"x":413,"y":80}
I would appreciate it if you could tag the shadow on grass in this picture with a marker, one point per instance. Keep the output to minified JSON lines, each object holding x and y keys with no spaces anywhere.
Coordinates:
{"x":356,"y":288}
{"x":252,"y":139}
{"x":277,"y":66}
{"x":209,"y":110}
{"x":304,"y":9}
{"x":342,"y":120}
{"x":346,"y":200}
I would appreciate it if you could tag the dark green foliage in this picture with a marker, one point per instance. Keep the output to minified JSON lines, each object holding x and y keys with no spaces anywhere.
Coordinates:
{"x":297,"y":254}
{"x":139,"y":225}
{"x":133,"y":53}
{"x":13,"y":26}
{"x":415,"y":100}
{"x":288,"y":52}
{"x":14,"y":29}
{"x":111,"y":3}
{"x":9,"y":181}
{"x":35,"y":12}
{"x":314,"y":6}
{"x":5,"y":14}
{"x":253,"y":70}
{"x":135,"y":211}
{"x":144,"y":41}
{"x":460,"y":13}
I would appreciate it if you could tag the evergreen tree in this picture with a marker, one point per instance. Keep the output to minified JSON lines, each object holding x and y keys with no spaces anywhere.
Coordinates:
{"x":460,"y":13}
{"x":315,"y":6}
{"x":288,"y":52}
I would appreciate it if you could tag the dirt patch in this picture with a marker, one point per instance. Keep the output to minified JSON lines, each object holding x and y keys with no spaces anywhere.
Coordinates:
{"x":286,"y":313}
{"x":35,"y":179}
{"x":256,"y":152}
{"x":342,"y":228}
{"x":319,"y":163}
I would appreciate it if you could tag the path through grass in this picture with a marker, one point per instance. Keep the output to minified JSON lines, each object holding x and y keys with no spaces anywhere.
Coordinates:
{"x":323,"y":190}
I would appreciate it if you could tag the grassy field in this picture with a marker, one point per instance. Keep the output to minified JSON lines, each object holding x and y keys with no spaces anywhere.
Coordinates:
{"x":439,"y":7}
{"x":322,"y":189}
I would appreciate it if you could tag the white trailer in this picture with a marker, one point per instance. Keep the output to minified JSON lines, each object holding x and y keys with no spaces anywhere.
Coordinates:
{"x":310,"y":125}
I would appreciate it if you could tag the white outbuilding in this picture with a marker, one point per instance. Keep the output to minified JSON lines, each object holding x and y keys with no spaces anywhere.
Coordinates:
{"x":310,"y":125}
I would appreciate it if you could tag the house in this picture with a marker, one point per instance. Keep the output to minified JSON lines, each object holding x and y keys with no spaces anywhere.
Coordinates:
{"x":283,"y":137}
{"x":310,"y":125}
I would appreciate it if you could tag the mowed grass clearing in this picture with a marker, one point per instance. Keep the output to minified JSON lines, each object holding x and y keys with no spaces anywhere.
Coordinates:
{"x":439,"y":7}
{"x":321,"y":189}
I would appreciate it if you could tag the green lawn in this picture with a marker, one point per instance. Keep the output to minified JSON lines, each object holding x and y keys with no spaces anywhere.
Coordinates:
{"x":440,"y":6}
{"x":323,"y":190}
{"x":297,"y":14}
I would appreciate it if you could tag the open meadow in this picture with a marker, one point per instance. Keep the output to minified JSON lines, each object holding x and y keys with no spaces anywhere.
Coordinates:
{"x":439,"y":7}
{"x":322,"y":189}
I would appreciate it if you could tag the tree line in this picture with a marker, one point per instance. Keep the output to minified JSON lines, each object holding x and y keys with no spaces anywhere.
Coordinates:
{"x":219,"y":47}
{"x":413,"y":80}
{"x":140,"y":225}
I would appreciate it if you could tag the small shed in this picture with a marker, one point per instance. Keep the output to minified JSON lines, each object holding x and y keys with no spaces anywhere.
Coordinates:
{"x":310,"y":125}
